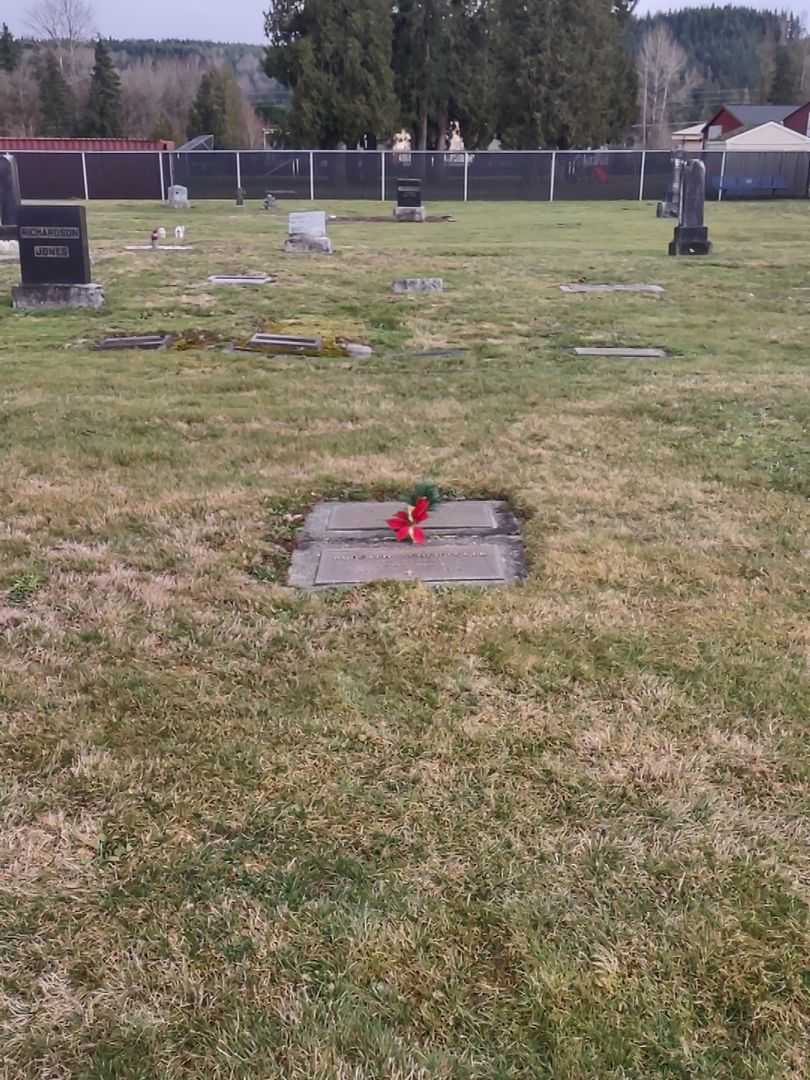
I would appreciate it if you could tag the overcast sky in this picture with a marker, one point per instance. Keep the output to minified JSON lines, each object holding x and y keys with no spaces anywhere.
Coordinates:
{"x":223,"y":20}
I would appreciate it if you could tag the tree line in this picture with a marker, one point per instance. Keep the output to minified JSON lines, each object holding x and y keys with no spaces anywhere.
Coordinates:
{"x":528,"y":72}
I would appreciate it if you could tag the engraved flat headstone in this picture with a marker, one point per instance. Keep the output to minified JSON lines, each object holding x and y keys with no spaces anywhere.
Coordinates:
{"x":418,"y":285}
{"x":159,"y":247}
{"x":671,"y":205}
{"x":240,"y":279}
{"x":148,"y":342}
{"x":284,"y":343}
{"x":640,"y":288}
{"x":652,"y":354}
{"x":359,"y":520}
{"x":360,"y":564}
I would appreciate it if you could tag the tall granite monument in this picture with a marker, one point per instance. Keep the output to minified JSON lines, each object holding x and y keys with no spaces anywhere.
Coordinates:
{"x":54,"y":260}
{"x":671,"y":206}
{"x":691,"y":234}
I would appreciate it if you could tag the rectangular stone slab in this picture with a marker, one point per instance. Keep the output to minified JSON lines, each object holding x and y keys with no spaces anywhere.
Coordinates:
{"x":359,"y":564}
{"x":360,"y":517}
{"x":239,"y":279}
{"x":637,"y":353}
{"x":307,"y":223}
{"x":284,"y":343}
{"x":579,"y":288}
{"x":147,"y":341}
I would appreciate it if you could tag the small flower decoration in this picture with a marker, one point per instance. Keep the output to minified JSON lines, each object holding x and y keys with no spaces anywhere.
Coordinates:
{"x":406,"y":523}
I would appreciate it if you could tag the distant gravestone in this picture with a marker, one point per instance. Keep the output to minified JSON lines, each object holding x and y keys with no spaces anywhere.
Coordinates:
{"x":639,"y":354}
{"x":306,"y":232}
{"x":240,"y":279}
{"x":55,"y":259}
{"x":409,"y":200}
{"x":285,"y":343}
{"x":671,"y":206}
{"x":691,"y":234}
{"x":178,"y":197}
{"x":418,"y":285}
{"x":9,"y":197}
{"x":147,"y":342}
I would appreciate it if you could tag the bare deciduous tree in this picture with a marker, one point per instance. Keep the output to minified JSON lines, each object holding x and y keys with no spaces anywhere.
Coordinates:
{"x":65,"y":23}
{"x":666,"y":82}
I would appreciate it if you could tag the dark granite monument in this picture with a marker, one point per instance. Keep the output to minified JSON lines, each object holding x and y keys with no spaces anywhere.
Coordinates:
{"x":9,"y":197}
{"x":691,"y":234}
{"x":409,"y":200}
{"x":55,"y":259}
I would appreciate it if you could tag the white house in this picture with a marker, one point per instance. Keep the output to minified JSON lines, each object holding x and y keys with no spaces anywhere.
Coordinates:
{"x":763,"y":138}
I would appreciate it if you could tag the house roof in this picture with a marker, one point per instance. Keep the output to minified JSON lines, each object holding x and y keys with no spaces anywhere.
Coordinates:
{"x":752,"y":115}
{"x":782,"y":136}
{"x":693,"y":129}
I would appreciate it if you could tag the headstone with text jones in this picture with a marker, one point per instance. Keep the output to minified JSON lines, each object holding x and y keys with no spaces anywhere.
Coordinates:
{"x":55,"y":259}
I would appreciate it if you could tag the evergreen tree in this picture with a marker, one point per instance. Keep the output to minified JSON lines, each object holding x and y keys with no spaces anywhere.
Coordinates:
{"x":336,"y":58}
{"x":219,"y":110}
{"x":56,"y":104}
{"x":10,"y":51}
{"x":102,"y":118}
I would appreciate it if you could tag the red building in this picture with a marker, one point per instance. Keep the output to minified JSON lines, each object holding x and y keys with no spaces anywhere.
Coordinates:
{"x":9,"y":145}
{"x":733,"y":118}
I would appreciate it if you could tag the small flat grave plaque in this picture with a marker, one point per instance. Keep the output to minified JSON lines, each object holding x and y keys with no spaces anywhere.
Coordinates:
{"x":160,"y":247}
{"x":358,"y":564}
{"x":307,"y":223}
{"x":652,"y":354}
{"x":150,"y":342}
{"x":418,"y":285}
{"x":239,"y":279}
{"x":285,"y":344}
{"x":580,"y":288}
{"x":447,"y":516}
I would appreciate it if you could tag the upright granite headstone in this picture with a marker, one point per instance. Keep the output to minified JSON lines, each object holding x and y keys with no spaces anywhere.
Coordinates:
{"x":671,"y":206}
{"x":691,"y":234}
{"x":9,"y":197}
{"x":307,"y":233}
{"x":55,"y":259}
{"x":409,"y":200}
{"x":178,"y":197}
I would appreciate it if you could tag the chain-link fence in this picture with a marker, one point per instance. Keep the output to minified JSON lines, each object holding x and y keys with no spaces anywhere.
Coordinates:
{"x":543,"y":175}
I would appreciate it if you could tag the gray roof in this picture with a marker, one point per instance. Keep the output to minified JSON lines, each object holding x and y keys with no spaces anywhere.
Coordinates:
{"x":751,"y":115}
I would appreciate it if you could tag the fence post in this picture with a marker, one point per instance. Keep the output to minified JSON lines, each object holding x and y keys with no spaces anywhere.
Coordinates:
{"x":238,"y":173}
{"x":382,"y":176}
{"x":312,"y":176}
{"x":553,"y":175}
{"x":84,"y":176}
{"x":466,"y":176}
{"x":641,"y":179}
{"x":162,"y":178}
{"x":722,"y":178}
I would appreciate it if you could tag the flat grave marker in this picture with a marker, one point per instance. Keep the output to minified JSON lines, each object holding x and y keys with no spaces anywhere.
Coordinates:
{"x":652,"y":354}
{"x":285,"y":343}
{"x":577,"y":287}
{"x":160,"y":247}
{"x":240,"y":279}
{"x":472,"y":542}
{"x":418,"y":285}
{"x":148,"y":342}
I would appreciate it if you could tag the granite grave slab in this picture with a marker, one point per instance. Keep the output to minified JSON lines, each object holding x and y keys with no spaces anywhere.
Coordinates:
{"x":285,"y":343}
{"x":639,"y":288}
{"x":147,"y":342}
{"x":240,"y":279}
{"x":346,"y":520}
{"x":418,"y":285}
{"x":54,"y":260}
{"x":652,"y":354}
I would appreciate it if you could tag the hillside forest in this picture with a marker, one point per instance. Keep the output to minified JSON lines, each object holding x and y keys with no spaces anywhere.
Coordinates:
{"x":493,"y":66}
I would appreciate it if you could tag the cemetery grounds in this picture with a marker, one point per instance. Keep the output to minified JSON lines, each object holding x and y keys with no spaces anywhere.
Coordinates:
{"x":556,"y":830}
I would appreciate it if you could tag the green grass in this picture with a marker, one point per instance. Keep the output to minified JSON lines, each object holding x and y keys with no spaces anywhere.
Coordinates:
{"x":554,"y":831}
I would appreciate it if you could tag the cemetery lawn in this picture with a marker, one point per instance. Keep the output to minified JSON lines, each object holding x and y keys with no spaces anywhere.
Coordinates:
{"x":553,"y":831}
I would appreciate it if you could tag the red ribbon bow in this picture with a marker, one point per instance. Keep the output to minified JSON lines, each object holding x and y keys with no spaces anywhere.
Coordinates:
{"x":406,"y":523}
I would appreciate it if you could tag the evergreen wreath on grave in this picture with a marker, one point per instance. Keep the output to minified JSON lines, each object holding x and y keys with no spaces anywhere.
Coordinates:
{"x":406,"y":523}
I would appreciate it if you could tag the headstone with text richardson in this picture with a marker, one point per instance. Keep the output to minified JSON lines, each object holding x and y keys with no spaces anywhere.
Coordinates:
{"x":9,"y":197}
{"x":409,"y":200}
{"x":307,"y":233}
{"x":691,"y":234}
{"x":55,"y":260}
